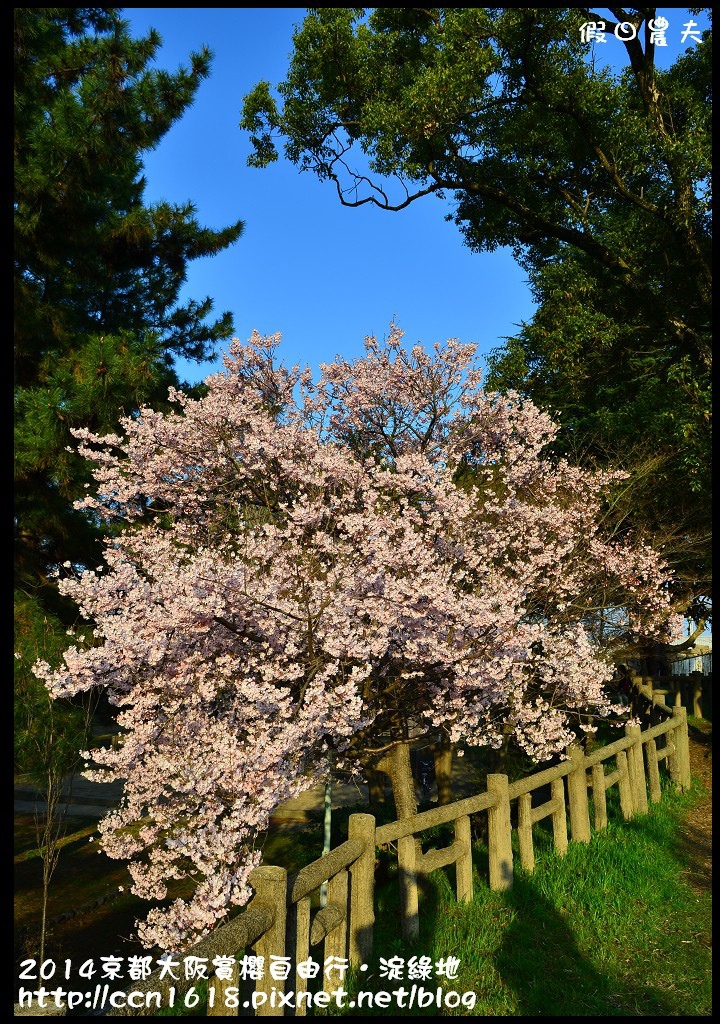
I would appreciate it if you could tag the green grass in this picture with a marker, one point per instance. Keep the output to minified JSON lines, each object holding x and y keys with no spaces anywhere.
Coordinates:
{"x":611,"y":929}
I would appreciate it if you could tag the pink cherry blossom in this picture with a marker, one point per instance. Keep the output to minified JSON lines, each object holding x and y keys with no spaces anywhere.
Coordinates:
{"x":306,"y":567}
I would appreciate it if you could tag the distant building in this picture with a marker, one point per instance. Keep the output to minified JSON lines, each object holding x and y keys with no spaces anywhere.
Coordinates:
{"x":697,"y":659}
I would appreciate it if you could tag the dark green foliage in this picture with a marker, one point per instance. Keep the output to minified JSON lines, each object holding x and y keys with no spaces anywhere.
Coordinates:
{"x":48,"y":734}
{"x":598,"y":181}
{"x":97,"y":271}
{"x":628,"y":395}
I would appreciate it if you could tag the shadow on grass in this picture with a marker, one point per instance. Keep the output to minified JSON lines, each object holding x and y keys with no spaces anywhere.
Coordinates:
{"x":700,"y":730}
{"x":540,"y":961}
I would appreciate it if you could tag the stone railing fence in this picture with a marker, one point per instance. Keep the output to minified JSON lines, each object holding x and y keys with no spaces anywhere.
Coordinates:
{"x":282,"y":921}
{"x":692,"y":691}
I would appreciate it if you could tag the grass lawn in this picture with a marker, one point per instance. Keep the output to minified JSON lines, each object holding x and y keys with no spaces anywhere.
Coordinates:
{"x":615,"y":928}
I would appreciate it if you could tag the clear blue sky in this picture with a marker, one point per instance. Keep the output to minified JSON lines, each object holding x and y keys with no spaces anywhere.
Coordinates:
{"x":321,"y":275}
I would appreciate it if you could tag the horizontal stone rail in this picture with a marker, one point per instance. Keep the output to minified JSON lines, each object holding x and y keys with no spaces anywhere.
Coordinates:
{"x":314,"y":875}
{"x":395,"y":830}
{"x":326,"y":919}
{"x":264,"y":914}
{"x":434,"y":859}
{"x":539,"y":779}
{"x":689,"y":691}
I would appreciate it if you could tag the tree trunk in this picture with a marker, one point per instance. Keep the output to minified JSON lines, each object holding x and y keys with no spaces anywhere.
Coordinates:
{"x":396,"y":764}
{"x":376,"y":787}
{"x":502,"y":753}
{"x":443,"y":754}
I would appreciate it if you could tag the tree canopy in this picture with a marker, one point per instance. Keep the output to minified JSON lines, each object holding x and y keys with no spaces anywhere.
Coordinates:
{"x":98,"y":271}
{"x":598,"y":180}
{"x":307,"y":570}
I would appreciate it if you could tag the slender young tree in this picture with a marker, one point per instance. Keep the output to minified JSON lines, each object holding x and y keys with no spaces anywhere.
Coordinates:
{"x":307,"y":570}
{"x":49,"y":736}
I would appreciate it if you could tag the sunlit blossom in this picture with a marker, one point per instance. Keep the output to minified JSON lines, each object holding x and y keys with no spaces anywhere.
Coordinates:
{"x":303,"y":569}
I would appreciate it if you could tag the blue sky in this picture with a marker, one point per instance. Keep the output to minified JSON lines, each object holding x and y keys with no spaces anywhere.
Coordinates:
{"x":321,"y":275}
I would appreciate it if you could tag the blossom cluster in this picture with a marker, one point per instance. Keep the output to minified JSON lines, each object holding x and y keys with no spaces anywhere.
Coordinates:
{"x":305,"y":567}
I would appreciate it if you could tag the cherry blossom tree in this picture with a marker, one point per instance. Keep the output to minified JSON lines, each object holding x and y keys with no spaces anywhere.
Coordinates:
{"x":303,"y":569}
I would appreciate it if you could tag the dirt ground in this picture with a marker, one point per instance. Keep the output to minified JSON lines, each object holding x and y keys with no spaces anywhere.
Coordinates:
{"x":697,"y":828}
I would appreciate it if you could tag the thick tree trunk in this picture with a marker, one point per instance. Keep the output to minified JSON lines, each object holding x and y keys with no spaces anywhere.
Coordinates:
{"x":443,"y":754}
{"x":396,"y":764}
{"x":376,"y":787}
{"x":501,"y":755}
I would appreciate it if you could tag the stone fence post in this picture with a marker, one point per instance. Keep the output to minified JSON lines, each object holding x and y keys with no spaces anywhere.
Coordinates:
{"x":270,"y":884}
{"x":500,"y":834}
{"x":362,"y":890}
{"x":577,"y":796}
{"x":682,"y":747}
{"x":637,"y":769}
